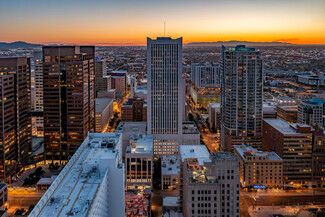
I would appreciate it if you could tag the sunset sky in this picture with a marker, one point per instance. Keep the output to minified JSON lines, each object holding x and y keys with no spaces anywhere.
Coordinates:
{"x":131,"y":21}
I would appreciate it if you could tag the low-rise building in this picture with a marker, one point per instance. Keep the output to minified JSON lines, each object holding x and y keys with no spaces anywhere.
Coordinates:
{"x":311,"y":112}
{"x":134,"y":110}
{"x":293,"y":143}
{"x":90,"y":184}
{"x":288,"y":113}
{"x":284,"y":100}
{"x":258,"y":167}
{"x":127,"y":130}
{"x":139,"y":162}
{"x":312,"y":80}
{"x":209,"y":183}
{"x":44,"y":183}
{"x":190,"y":133}
{"x":104,"y":112}
{"x":170,"y":173}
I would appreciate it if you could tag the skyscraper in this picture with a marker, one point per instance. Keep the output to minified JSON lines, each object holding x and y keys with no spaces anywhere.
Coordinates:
{"x":205,"y":75}
{"x":37,"y":102}
{"x":241,"y":96}
{"x":69,"y":99}
{"x":165,"y":93}
{"x":102,"y":81}
{"x":15,"y":131}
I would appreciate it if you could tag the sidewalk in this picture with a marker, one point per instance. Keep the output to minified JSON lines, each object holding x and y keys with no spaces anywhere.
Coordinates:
{"x":268,"y":211}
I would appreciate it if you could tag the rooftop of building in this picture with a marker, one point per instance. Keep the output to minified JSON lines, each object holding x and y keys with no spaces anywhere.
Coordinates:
{"x":140,"y":144}
{"x":284,"y":100}
{"x":119,"y":72}
{"x":223,"y":156}
{"x":215,"y":105}
{"x":75,"y":189}
{"x":205,"y":64}
{"x":130,"y":128}
{"x":45,"y":180}
{"x":199,"y":152}
{"x":315,"y":102}
{"x":189,"y":127}
{"x":239,"y":48}
{"x":170,"y":165}
{"x":285,"y":128}
{"x":289,"y":108}
{"x":102,"y":103}
{"x":313,"y":76}
{"x":245,"y":150}
{"x":171,"y":201}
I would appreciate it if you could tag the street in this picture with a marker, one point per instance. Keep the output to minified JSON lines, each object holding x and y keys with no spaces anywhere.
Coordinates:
{"x":22,"y":198}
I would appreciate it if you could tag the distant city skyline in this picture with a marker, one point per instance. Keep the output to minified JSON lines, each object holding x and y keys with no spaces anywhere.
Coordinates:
{"x":129,"y":22}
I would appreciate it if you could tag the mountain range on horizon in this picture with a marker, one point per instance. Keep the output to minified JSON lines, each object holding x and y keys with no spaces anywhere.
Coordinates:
{"x":234,"y":43}
{"x":22,"y":44}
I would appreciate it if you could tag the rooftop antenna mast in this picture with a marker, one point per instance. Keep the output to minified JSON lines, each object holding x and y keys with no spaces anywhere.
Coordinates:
{"x":164,"y":29}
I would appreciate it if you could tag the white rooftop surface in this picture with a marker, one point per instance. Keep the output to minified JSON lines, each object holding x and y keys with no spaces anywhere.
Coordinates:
{"x":215,"y":106}
{"x":144,"y":145}
{"x":284,"y":127}
{"x":170,"y":165}
{"x":170,"y":201}
{"x":102,"y":103}
{"x":241,"y":149}
{"x":200,"y":152}
{"x":129,"y":128}
{"x":173,"y":213}
{"x":47,"y":180}
{"x":76,"y":187}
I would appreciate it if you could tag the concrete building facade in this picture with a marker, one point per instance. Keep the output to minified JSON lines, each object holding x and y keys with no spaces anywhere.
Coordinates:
{"x":205,"y":75}
{"x":311,"y":112}
{"x":293,"y":143}
{"x":241,"y":95}
{"x":104,"y":112}
{"x":210,"y":184}
{"x":165,"y":94}
{"x":139,"y":162}
{"x":258,"y":167}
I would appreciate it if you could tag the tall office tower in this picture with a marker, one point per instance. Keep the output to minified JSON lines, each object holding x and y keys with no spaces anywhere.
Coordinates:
{"x":312,"y":112}
{"x":165,"y":94}
{"x":209,"y":182}
{"x":205,"y":75}
{"x":38,"y":96}
{"x":102,"y":81}
{"x":69,"y":99}
{"x":7,"y":122}
{"x":20,"y":68}
{"x":241,"y":97}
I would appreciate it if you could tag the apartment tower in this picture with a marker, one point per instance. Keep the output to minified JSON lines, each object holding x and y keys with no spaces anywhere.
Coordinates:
{"x":241,"y":96}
